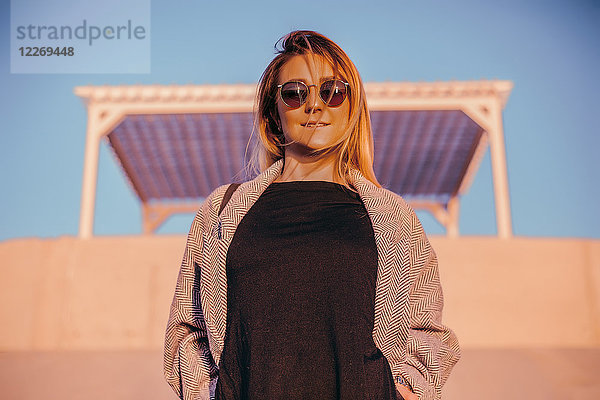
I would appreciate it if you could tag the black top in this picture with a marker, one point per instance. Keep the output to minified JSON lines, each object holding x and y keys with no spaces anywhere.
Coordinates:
{"x":301,"y":275}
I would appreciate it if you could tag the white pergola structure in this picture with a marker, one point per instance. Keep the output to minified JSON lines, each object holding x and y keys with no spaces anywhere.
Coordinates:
{"x":177,"y":143}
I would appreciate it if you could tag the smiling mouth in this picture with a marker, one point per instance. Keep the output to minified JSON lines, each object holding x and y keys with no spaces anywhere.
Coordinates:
{"x":315,"y":125}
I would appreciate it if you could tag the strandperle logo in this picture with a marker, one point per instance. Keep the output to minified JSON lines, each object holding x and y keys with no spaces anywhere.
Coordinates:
{"x":84,"y":31}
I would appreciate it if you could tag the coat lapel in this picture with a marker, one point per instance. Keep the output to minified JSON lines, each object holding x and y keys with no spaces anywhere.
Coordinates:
{"x":391,"y":291}
{"x":216,"y":243}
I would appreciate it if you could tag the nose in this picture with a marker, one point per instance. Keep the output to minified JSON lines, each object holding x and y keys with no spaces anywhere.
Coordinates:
{"x":313,"y":102}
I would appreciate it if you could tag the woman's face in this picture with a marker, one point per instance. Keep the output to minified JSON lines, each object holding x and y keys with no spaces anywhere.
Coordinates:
{"x":313,"y":124}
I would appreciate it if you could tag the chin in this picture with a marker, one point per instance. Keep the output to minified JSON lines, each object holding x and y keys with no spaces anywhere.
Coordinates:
{"x":318,"y":145}
{"x":315,"y":142}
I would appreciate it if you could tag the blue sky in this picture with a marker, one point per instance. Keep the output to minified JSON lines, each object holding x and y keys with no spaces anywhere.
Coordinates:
{"x":549,"y":49}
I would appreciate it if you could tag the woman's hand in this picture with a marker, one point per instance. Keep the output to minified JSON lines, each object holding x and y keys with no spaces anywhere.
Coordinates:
{"x":406,"y":393}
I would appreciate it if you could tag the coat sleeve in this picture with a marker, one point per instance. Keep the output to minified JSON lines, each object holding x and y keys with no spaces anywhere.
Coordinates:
{"x":432,"y":349}
{"x":189,"y":367}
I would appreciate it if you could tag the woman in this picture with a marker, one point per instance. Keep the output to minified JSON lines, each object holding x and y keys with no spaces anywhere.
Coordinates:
{"x":313,"y":282}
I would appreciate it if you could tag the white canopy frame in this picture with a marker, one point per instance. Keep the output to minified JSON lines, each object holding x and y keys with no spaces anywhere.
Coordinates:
{"x":483,"y":101}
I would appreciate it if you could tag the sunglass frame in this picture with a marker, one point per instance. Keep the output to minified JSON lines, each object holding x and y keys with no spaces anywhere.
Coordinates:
{"x":346,"y":87}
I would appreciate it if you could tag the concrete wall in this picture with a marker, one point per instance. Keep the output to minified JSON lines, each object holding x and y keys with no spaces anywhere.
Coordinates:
{"x":114,"y":293}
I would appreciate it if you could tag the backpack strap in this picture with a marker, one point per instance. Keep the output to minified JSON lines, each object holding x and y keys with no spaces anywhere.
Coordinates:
{"x":232,"y":187}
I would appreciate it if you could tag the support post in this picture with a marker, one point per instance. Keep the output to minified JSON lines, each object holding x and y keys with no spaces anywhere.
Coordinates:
{"x":90,"y":174}
{"x":499,"y":172}
{"x":452,"y":222}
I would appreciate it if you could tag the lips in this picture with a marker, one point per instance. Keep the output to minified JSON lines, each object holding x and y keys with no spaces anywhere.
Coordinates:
{"x":315,"y":124}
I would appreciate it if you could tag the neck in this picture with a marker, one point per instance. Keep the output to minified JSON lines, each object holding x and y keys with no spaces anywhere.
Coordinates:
{"x":298,"y":167}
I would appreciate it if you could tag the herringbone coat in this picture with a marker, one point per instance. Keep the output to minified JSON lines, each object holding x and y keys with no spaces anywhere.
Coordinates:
{"x":408,"y":325}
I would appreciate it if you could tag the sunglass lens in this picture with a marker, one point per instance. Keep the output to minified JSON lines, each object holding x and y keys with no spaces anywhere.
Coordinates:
{"x":294,"y":94}
{"x":333,"y":92}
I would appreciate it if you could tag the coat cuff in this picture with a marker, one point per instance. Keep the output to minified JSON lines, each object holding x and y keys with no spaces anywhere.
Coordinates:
{"x":417,"y":383}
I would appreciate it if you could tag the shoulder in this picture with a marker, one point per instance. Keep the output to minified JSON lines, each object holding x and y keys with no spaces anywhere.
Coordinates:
{"x":395,"y":199}
{"x":409,"y":226}
{"x":398,"y":206}
{"x":209,"y":209}
{"x":379,"y":197}
{"x":403,"y":206}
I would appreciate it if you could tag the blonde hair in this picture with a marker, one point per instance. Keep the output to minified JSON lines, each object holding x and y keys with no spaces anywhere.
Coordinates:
{"x":354,"y":149}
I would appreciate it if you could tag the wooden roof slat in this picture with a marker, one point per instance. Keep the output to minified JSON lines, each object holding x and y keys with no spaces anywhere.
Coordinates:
{"x":386,"y":143}
{"x":131,"y":144}
{"x":200,"y":174}
{"x":185,"y":141}
{"x":128,"y":165}
{"x":182,"y":157}
{"x":407,"y":154}
{"x":424,"y":153}
{"x":208,"y":151}
{"x":167,"y":146}
{"x":450,"y":138}
{"x":394,"y":159}
{"x":438,"y":139}
{"x":160,"y":164}
{"x":225,"y":142}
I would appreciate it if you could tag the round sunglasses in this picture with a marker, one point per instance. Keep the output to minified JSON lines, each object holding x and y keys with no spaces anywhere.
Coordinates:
{"x":295,"y":93}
